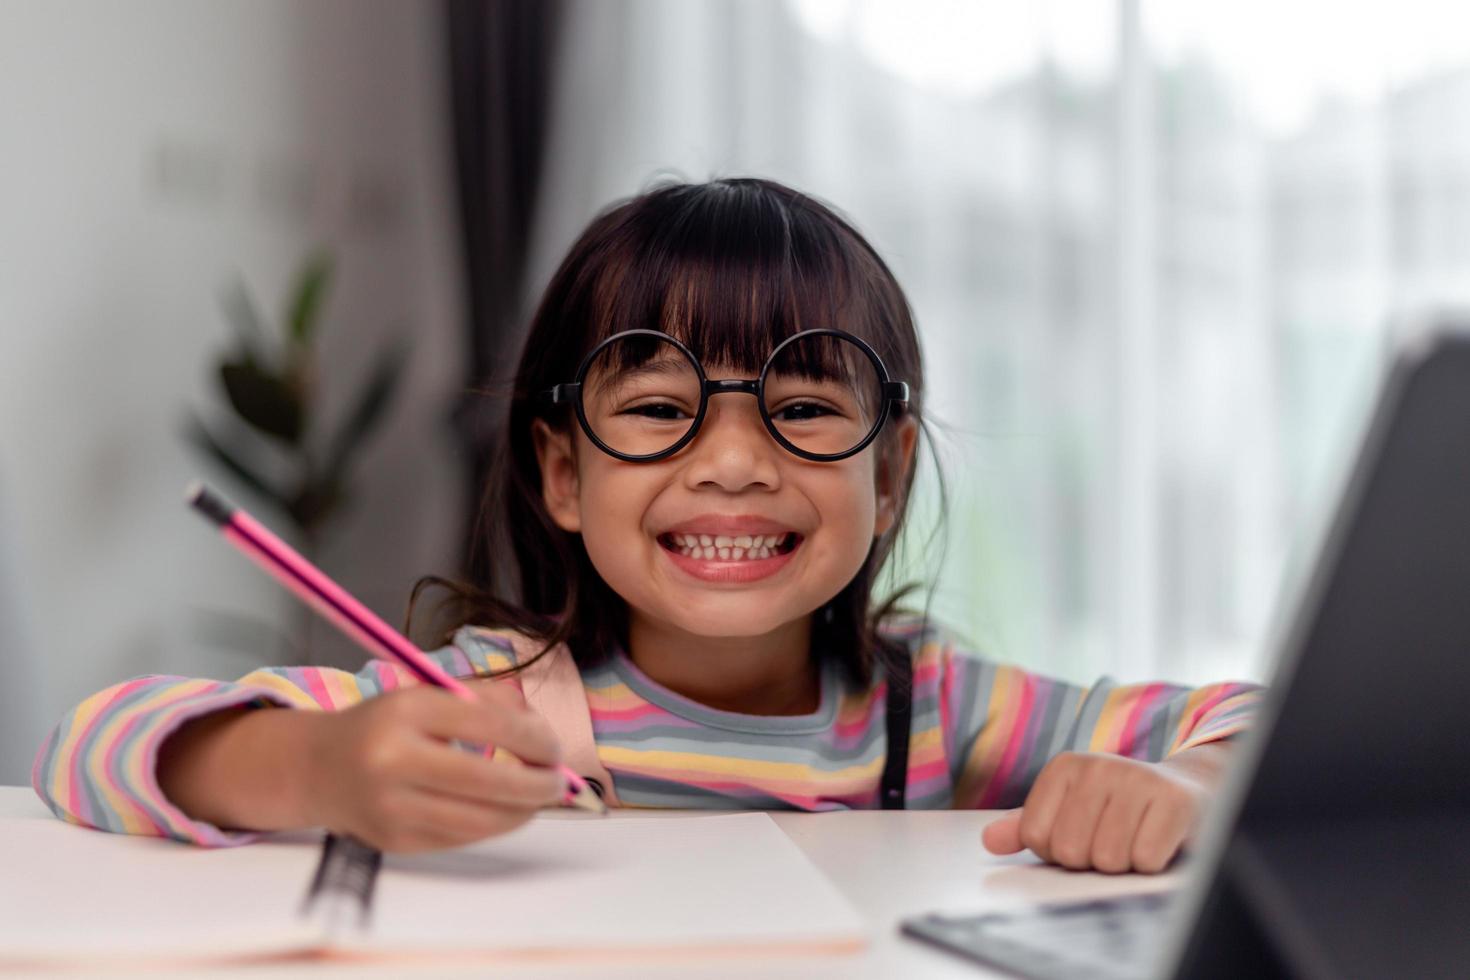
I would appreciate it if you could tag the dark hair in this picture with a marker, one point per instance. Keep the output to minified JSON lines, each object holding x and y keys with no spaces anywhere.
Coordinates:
{"x":730,"y":267}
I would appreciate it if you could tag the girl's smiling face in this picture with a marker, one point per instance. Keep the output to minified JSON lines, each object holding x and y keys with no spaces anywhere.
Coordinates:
{"x":598,"y":552}
{"x":655,"y":531}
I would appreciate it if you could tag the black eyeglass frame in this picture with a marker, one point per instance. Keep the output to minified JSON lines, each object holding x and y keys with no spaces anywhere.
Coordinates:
{"x":570,"y":392}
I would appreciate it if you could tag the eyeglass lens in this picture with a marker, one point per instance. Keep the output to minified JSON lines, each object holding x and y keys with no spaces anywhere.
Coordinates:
{"x":641,"y":394}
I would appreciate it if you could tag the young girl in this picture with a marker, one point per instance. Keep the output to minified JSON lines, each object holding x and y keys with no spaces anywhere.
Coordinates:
{"x":708,"y":454}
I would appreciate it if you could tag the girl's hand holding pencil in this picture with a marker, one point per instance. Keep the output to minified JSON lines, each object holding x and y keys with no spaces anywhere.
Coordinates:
{"x":386,"y":771}
{"x":390,"y":770}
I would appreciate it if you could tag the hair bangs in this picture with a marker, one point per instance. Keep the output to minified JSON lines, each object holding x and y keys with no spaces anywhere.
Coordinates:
{"x":731,"y":272}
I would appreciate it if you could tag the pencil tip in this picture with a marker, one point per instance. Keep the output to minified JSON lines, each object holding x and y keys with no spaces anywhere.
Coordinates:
{"x":587,"y":799}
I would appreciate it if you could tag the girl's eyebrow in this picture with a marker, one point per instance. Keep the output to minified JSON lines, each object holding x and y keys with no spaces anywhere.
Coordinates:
{"x":665,"y":366}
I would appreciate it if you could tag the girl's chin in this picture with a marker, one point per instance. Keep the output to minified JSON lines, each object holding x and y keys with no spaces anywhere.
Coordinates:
{"x":723,"y":613}
{"x":726,"y":624}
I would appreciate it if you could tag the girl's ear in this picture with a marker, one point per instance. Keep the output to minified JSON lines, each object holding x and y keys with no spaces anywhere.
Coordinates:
{"x":893,"y":474}
{"x":559,"y":490}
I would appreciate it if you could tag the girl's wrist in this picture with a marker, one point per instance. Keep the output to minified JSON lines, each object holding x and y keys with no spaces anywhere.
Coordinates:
{"x":242,"y":769}
{"x":274,"y":748}
{"x":1204,"y":765}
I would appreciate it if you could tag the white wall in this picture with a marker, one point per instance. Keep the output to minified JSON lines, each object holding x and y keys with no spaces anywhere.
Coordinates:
{"x":149,"y":152}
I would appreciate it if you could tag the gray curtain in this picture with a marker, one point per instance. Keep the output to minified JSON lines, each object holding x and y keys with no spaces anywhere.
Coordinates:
{"x":501,"y":66}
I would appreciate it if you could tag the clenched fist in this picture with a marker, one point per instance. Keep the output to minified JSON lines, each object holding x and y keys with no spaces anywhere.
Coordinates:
{"x":1094,"y":811}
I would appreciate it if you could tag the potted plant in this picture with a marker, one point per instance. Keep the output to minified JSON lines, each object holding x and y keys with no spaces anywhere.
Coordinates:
{"x":278,"y":447}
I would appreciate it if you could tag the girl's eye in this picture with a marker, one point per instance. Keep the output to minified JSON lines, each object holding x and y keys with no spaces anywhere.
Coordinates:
{"x":661,"y":411}
{"x":801,"y":412}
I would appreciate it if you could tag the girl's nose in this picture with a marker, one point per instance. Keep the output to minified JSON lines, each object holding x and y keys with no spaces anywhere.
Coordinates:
{"x":732,"y":451}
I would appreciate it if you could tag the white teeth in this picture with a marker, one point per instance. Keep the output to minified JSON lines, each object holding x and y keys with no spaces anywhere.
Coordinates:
{"x":728,"y":547}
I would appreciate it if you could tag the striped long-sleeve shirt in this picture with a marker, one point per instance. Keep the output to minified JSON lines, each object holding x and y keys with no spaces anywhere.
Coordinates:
{"x":981,"y":733}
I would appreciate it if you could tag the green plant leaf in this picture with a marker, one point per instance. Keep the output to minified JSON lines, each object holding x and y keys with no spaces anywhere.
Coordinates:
{"x":199,"y":435}
{"x":307,"y":300}
{"x":264,"y":400}
{"x":374,"y":397}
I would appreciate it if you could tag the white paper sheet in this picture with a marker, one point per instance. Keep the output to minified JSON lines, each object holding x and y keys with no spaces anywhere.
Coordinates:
{"x":578,"y":887}
{"x":75,"y":894}
{"x":729,"y":880}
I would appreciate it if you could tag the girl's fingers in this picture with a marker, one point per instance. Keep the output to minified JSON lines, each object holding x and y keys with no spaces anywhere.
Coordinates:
{"x":442,"y":769}
{"x":434,"y":821}
{"x":1117,"y":826}
{"x":464,"y":820}
{"x":1076,"y":822}
{"x":1003,"y":835}
{"x":1042,"y":804}
{"x":496,"y":719}
{"x":1161,"y":830}
{"x":1106,"y":813}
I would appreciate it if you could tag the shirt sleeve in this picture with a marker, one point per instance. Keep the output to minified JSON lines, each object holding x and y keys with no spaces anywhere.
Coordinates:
{"x":1002,"y":724}
{"x":97,"y":768}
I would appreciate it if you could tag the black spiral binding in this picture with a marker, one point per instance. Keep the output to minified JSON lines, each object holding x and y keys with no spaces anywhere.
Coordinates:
{"x":348,"y":868}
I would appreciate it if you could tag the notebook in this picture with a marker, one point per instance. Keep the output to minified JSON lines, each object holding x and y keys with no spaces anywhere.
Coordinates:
{"x":561,"y":886}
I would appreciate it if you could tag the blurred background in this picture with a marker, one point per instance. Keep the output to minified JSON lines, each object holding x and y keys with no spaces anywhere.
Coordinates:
{"x":1154,"y":249}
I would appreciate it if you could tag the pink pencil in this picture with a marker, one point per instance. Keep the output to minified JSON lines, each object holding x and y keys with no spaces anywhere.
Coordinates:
{"x":338,"y":606}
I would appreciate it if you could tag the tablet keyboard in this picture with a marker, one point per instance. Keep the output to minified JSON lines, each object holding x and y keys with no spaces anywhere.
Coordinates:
{"x":1107,"y":939}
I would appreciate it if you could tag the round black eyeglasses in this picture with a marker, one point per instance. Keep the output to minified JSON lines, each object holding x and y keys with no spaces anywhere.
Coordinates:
{"x":641,"y":395}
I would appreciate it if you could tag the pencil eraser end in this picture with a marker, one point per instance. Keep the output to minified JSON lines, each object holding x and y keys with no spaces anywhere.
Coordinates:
{"x":208,"y":503}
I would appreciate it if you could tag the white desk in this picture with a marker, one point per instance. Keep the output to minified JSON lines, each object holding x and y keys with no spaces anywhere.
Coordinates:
{"x":889,"y":864}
